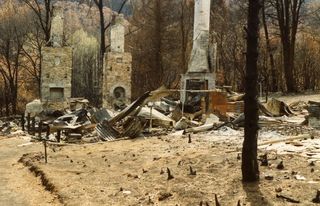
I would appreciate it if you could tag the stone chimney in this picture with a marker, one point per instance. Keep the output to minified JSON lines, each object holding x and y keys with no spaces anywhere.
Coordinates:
{"x":117,"y":33}
{"x":57,"y":24}
{"x":199,"y":59}
{"x":117,"y":71}
{"x":56,"y":74}
{"x":200,"y":75}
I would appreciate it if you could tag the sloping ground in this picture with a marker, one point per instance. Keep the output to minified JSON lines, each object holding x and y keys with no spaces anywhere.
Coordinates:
{"x":134,"y":172}
{"x":17,"y":185}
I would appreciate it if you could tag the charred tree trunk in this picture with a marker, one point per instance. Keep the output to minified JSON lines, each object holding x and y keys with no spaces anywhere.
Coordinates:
{"x":288,"y":67}
{"x":13,"y":98}
{"x":102,"y":50}
{"x":274,"y":87}
{"x":47,"y":20}
{"x":43,"y":11}
{"x":1,"y":101}
{"x":6,"y":99}
{"x":158,"y":42}
{"x":183,"y":38}
{"x":40,"y":71}
{"x":250,"y":169}
{"x":185,"y":22}
{"x":288,"y":15}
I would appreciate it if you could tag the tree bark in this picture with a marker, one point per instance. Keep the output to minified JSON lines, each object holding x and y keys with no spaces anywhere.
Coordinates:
{"x":158,"y":40}
{"x":250,"y":169}
{"x":274,"y":86}
{"x":102,"y":50}
{"x":288,"y":16}
{"x":44,"y":17}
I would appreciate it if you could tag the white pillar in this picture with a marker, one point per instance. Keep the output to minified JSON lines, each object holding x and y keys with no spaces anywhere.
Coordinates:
{"x":56,"y":35}
{"x":199,"y":61}
{"x":117,"y":34}
{"x":201,"y":17}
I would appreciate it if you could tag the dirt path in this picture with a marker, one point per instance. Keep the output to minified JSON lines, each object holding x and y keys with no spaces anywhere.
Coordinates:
{"x":17,"y":185}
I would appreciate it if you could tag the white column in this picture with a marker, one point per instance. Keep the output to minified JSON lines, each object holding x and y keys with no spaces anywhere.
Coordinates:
{"x":201,"y":17}
{"x":117,"y":35}
{"x":199,"y":61}
{"x":56,"y":36}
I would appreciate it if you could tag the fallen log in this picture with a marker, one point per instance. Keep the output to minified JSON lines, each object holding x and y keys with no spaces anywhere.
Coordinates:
{"x":299,"y":137}
{"x":202,"y":128}
{"x":288,"y":199}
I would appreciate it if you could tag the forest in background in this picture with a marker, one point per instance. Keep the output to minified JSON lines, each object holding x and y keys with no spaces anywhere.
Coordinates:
{"x":159,"y":36}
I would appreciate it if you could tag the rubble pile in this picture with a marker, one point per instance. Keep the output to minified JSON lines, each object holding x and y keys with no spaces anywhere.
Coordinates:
{"x":10,"y":126}
{"x":155,"y":113}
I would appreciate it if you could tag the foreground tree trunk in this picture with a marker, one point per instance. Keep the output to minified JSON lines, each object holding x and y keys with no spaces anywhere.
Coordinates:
{"x":250,"y":170}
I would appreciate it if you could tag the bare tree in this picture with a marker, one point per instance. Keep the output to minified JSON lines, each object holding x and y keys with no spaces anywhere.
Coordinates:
{"x":161,"y":43}
{"x":14,"y":30}
{"x":147,"y":45}
{"x":250,"y":168}
{"x":227,"y":23}
{"x":186,"y":17}
{"x":32,"y":51}
{"x":273,"y":75}
{"x":43,"y":11}
{"x":288,"y":17}
{"x":38,"y":37}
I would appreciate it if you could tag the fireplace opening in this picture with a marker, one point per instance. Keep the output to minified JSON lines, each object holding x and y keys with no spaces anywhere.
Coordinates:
{"x":196,"y":96}
{"x":56,"y":94}
{"x":119,"y":93}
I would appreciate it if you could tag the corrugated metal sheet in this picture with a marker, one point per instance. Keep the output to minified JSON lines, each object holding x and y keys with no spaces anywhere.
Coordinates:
{"x":106,"y":132}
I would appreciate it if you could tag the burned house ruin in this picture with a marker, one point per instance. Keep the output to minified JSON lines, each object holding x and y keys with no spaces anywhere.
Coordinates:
{"x":56,"y":72}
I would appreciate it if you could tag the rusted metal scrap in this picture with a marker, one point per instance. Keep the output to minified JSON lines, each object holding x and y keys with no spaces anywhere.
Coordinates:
{"x":131,"y":108}
{"x":129,"y":123}
{"x":114,"y":128}
{"x":98,"y":115}
{"x":313,"y":118}
{"x":106,"y":132}
{"x":276,"y":108}
{"x":74,"y":125}
{"x":134,"y":126}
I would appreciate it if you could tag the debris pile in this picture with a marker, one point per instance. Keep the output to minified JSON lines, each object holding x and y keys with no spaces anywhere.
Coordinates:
{"x":314,"y":114}
{"x":158,"y":112}
{"x":10,"y":126}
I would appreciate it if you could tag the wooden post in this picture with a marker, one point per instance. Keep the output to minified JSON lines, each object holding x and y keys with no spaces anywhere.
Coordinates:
{"x":58,"y":135}
{"x":40,"y":129}
{"x":45,"y":151}
{"x":48,"y":132}
{"x":267,"y":92}
{"x":22,"y":121}
{"x":203,"y":105}
{"x":28,"y":123}
{"x":33,"y":127}
{"x":150,"y":126}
